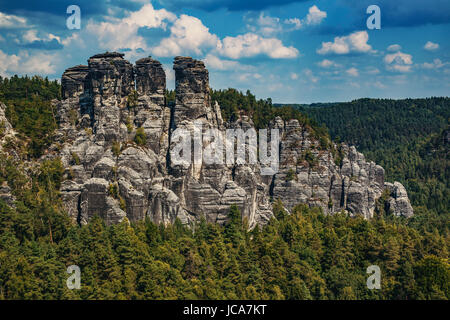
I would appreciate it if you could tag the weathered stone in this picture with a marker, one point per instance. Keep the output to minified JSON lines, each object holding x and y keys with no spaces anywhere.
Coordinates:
{"x":101,"y":109}
{"x":399,"y":203}
{"x":150,"y":77}
{"x":6,"y":195}
{"x":74,"y":81}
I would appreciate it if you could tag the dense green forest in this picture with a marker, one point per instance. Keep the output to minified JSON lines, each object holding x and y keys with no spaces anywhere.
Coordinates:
{"x":409,"y":138}
{"x":304,"y":255}
{"x":29,"y":109}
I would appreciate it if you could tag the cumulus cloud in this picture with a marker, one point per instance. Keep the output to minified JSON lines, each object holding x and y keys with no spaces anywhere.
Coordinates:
{"x":394,"y":47}
{"x":315,"y":16}
{"x":12,"y":21}
{"x":436,"y":64}
{"x":213,"y":62}
{"x":148,"y":17}
{"x":325,"y":63}
{"x":310,"y":75}
{"x":430,"y":46}
{"x":355,"y":42}
{"x":265,"y":25}
{"x":188,"y":35}
{"x":399,"y":61}
{"x":24,"y":63}
{"x":31,"y":39}
{"x":116,"y":33}
{"x":250,"y":44}
{"x":170,"y":73}
{"x":296,"y":22}
{"x":352,"y":72}
{"x":244,"y":77}
{"x":293,"y":76}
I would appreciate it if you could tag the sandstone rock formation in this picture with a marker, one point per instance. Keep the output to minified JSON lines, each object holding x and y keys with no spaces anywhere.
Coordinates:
{"x":6,"y":132}
{"x":108,"y":174}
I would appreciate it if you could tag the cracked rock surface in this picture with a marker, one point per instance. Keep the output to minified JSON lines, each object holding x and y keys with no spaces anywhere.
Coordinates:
{"x":108,"y":174}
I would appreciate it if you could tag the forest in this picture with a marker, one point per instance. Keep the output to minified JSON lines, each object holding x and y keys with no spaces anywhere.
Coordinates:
{"x":302,"y":255}
{"x":409,"y":138}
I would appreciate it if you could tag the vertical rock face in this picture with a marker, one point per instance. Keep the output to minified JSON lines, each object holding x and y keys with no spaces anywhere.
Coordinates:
{"x":110,"y":75}
{"x":111,"y":81}
{"x":150,"y":77}
{"x":192,"y":90}
{"x":399,"y":203}
{"x":310,"y":175}
{"x":109,"y":175}
{"x":74,"y":81}
{"x":6,"y":132}
{"x":5,"y":126}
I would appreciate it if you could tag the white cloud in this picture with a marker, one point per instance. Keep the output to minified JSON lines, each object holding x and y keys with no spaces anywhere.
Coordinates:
{"x":170,"y":73}
{"x":430,"y":46}
{"x":213,"y":62}
{"x":436,"y":64}
{"x":293,"y":76}
{"x":188,"y":35}
{"x":325,"y":63}
{"x":399,"y":61}
{"x":12,"y":21}
{"x":352,"y":72}
{"x":310,"y":75}
{"x":148,"y":17}
{"x":116,"y":33}
{"x":7,"y":62}
{"x":355,"y":42}
{"x":267,"y":25}
{"x":394,"y":47}
{"x":244,"y":77}
{"x":264,"y":25}
{"x":315,"y":16}
{"x":32,"y":35}
{"x":294,"y":21}
{"x":250,"y":44}
{"x":24,"y":63}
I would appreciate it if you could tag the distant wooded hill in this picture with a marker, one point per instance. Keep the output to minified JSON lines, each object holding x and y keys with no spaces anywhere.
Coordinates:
{"x":409,"y":138}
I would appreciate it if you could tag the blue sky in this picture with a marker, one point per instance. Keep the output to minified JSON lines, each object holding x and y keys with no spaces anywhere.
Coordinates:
{"x":292,"y":51}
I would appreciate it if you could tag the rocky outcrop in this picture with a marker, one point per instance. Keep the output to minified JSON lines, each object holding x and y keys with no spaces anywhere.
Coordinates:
{"x":6,"y":133}
{"x":310,"y":175}
{"x":5,"y":126}
{"x":108,"y":174}
{"x":399,"y":203}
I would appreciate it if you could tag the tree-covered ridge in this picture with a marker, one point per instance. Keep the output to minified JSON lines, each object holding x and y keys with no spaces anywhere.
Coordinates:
{"x":16,"y":88}
{"x":374,"y":123}
{"x":305,"y":255}
{"x":29,"y":109}
{"x":234,"y":103}
{"x":408,"y":138}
